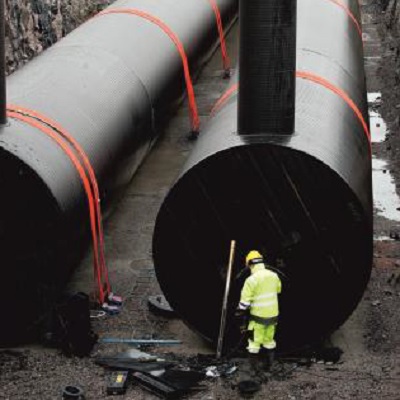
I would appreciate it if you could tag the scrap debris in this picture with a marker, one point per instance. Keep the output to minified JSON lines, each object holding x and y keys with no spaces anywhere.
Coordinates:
{"x":69,"y":326}
{"x":73,"y":393}
{"x":160,"y":306}
{"x":154,"y":374}
{"x":224,"y":370}
{"x":170,"y":385}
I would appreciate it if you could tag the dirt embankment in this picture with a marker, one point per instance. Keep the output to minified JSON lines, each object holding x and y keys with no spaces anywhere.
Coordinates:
{"x":34,"y":25}
{"x":389,"y":73}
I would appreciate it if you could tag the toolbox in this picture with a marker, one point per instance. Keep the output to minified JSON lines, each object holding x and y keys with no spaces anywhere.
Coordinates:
{"x":118,"y":383}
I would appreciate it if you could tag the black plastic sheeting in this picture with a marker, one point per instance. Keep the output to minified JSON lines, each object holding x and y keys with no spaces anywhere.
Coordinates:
{"x":303,"y":200}
{"x":111,"y":83}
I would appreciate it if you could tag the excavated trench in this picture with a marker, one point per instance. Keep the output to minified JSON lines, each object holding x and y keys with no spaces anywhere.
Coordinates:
{"x":369,"y":339}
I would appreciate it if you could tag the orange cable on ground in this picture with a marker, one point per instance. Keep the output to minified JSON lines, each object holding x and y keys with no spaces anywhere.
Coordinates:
{"x":349,"y":13}
{"x":313,"y":78}
{"x":225,"y":57}
{"x":53,"y":130}
{"x":195,"y":120}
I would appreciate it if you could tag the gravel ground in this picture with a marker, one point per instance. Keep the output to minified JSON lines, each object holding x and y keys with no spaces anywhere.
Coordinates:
{"x":370,"y":339}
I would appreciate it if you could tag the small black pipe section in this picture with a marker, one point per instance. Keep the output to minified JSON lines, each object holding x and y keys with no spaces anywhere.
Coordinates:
{"x":267,"y":65}
{"x":3,"y":94}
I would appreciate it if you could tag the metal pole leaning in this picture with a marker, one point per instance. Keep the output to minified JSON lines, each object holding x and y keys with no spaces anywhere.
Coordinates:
{"x":225,"y":301}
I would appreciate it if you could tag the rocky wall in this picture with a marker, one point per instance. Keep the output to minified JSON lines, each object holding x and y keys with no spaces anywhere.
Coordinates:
{"x":390,"y":32}
{"x":389,"y":74}
{"x":34,"y":25}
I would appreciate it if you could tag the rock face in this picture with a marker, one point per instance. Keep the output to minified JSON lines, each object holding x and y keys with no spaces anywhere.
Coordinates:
{"x":390,"y":65}
{"x":34,"y":25}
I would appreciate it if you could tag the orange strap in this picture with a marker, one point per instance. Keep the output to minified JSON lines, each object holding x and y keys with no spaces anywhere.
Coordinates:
{"x":313,"y":78}
{"x":349,"y":13}
{"x":195,"y":121}
{"x":341,"y":93}
{"x":66,"y":141}
{"x":224,"y":98}
{"x":225,"y":57}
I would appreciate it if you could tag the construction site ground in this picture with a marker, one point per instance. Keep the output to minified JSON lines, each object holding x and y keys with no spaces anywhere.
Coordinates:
{"x":370,"y":340}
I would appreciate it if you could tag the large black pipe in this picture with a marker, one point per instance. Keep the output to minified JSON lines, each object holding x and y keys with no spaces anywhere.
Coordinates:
{"x":303,"y":200}
{"x":111,"y":84}
{"x":267,"y":65}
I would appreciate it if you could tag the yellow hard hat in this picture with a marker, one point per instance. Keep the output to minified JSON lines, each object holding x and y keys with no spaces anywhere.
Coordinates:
{"x":253,"y":255}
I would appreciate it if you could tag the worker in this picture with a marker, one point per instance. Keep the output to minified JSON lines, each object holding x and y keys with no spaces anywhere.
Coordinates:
{"x":259,"y":302}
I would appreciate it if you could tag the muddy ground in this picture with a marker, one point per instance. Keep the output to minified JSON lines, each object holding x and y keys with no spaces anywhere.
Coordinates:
{"x":370,"y":339}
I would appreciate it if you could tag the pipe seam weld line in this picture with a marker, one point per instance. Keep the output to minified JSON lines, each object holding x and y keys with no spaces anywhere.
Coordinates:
{"x":81,"y":162}
{"x":194,"y":115}
{"x":313,"y":78}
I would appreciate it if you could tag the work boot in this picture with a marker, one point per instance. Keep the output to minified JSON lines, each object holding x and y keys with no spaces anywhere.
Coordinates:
{"x":250,"y":376}
{"x":269,"y":360}
{"x":255,"y":364}
{"x":251,"y":368}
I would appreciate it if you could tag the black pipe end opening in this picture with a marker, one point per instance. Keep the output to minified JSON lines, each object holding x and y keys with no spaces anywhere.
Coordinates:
{"x":33,"y":249}
{"x":293,"y":208}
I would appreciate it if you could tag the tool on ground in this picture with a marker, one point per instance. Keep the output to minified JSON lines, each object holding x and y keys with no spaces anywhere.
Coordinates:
{"x":171,"y":384}
{"x":118,"y":383}
{"x":141,"y":342}
{"x":225,"y":301}
{"x":153,"y":385}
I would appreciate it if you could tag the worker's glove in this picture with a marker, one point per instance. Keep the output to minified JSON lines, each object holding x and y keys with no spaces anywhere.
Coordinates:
{"x":239,"y":313}
{"x":242,"y":317}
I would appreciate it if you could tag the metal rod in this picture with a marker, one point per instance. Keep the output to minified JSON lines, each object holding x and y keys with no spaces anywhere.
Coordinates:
{"x":225,"y":302}
{"x":138,"y":342}
{"x":3,"y":97}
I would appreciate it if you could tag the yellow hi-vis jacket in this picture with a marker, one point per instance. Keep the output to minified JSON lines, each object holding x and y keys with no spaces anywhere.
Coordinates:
{"x":260,"y":292}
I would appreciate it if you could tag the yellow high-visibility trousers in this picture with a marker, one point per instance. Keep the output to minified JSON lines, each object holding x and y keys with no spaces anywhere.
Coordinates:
{"x":261,"y":335}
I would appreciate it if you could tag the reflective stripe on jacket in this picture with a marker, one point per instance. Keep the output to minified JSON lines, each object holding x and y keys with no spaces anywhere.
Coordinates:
{"x":260,"y":292}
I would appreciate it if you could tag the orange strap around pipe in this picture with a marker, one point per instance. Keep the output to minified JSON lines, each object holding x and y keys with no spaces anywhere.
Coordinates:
{"x":225,"y":57}
{"x":341,"y":93}
{"x":89,"y":169}
{"x":65,"y":141}
{"x":224,"y":98}
{"x":195,"y":120}
{"x":349,"y":13}
{"x":313,"y":78}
